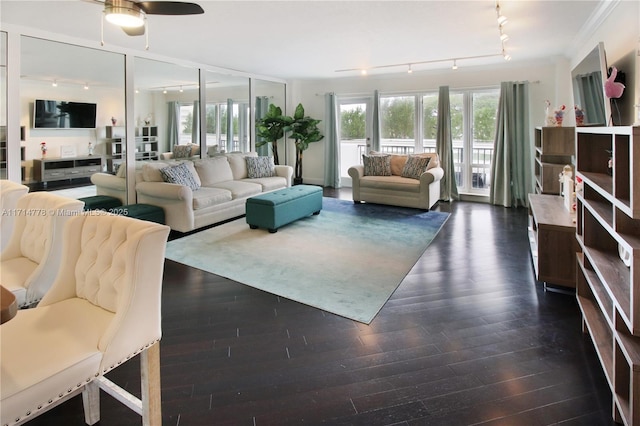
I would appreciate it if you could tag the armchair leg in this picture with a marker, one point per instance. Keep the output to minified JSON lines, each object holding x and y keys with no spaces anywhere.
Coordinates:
{"x":91,"y":403}
{"x":150,"y":381}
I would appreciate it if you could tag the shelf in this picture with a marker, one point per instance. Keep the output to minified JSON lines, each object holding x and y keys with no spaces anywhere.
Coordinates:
{"x":554,"y":147}
{"x":608,"y":291}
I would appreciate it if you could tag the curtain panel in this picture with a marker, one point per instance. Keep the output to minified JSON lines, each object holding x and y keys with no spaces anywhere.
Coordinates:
{"x":332,"y":143}
{"x":173,"y":124}
{"x":262,"y":106}
{"x":511,"y":165}
{"x":444,"y":147}
{"x":375,"y":137}
{"x":195,"y":125}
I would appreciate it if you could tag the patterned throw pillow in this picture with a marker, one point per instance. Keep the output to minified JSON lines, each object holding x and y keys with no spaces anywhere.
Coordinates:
{"x":259,"y":167}
{"x":181,"y":175}
{"x":415,"y":166}
{"x":377,"y":165}
{"x":182,"y":151}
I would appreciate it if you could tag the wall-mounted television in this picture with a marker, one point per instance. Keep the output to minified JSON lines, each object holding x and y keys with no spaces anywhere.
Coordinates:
{"x":49,"y":114}
{"x":588,"y":87}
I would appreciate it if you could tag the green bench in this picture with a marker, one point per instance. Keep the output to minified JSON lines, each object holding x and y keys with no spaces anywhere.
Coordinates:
{"x":278,"y":208}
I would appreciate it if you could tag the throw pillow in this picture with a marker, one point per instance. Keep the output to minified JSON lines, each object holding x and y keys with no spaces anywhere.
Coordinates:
{"x":376,"y":165}
{"x":181,"y":175}
{"x":259,"y":167}
{"x":182,"y":151}
{"x":415,"y":166}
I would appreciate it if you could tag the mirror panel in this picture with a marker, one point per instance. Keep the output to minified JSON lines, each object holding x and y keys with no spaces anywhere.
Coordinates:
{"x":54,"y":71}
{"x":165,"y":109}
{"x":270,"y":93}
{"x":3,"y":105}
{"x":227,"y":132}
{"x":587,"y":79}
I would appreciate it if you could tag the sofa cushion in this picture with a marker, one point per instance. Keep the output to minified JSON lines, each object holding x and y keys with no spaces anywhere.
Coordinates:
{"x":269,"y":183}
{"x":151,"y":171}
{"x":213,"y":170}
{"x":181,"y":174}
{"x":207,"y":197}
{"x":182,"y":151}
{"x":259,"y":167}
{"x":398,"y":161}
{"x":238,"y":164}
{"x":377,"y":165}
{"x":240,"y":189}
{"x":390,"y":183}
{"x":415,"y":166}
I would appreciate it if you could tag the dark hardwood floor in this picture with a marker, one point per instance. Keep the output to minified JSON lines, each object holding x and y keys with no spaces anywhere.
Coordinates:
{"x":468,"y":338}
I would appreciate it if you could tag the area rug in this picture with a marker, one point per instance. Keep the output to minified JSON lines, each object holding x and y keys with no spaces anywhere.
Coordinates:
{"x":348,"y":260}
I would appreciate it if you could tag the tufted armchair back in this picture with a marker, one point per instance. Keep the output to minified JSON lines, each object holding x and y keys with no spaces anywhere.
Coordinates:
{"x":31,"y":258}
{"x":115,"y":263}
{"x":10,"y":193}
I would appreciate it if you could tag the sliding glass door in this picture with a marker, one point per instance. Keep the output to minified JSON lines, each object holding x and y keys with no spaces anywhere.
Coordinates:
{"x":355,"y":133}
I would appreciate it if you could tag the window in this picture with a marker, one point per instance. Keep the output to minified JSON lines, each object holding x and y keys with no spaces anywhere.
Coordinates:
{"x":473,"y":126}
{"x":409,"y":123}
{"x":186,"y":124}
{"x":355,"y":128}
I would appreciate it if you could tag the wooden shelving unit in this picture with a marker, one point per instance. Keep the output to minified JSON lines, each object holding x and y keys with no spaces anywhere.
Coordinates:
{"x":554,"y":147}
{"x":146,"y":142}
{"x":608,"y":272}
{"x":552,"y":236}
{"x":53,"y":169}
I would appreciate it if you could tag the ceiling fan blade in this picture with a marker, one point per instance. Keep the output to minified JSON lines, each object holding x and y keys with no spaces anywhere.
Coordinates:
{"x":169,"y":8}
{"x":137,"y":31}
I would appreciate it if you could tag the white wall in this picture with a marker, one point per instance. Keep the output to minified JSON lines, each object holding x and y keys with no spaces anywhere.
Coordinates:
{"x":550,"y":79}
{"x":541,"y":75}
{"x":110,"y":103}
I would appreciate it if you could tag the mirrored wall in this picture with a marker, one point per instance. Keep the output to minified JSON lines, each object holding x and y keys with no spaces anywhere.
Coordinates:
{"x":69,"y":96}
{"x":73,"y":106}
{"x":228,"y":113}
{"x":266,"y":93}
{"x":3,"y":105}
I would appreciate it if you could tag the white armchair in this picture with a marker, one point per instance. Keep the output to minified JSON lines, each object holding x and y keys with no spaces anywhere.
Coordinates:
{"x":10,"y":193}
{"x":102,"y":310}
{"x":30,"y":261}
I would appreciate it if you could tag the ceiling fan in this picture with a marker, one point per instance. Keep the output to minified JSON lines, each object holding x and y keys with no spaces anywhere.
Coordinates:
{"x":131,"y":15}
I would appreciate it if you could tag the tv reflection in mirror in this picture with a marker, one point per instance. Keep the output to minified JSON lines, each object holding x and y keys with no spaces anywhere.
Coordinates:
{"x":588,"y":88}
{"x":49,"y":114}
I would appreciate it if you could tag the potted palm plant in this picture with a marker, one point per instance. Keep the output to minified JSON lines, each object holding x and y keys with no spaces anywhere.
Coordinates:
{"x":304,"y":131}
{"x":271,"y":128}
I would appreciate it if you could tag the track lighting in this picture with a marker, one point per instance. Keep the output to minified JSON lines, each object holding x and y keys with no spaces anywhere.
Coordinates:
{"x":86,"y":86}
{"x":409,"y":71}
{"x":55,"y":83}
{"x":455,"y":65}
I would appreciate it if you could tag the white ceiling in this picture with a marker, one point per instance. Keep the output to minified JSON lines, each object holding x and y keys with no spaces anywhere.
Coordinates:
{"x":312,"y":39}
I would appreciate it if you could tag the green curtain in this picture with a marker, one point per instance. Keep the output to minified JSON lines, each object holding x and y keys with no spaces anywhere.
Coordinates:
{"x":262,"y":106}
{"x":590,"y":96}
{"x":195,"y":125}
{"x":173,"y":124}
{"x":375,"y":137}
{"x":332,"y":143}
{"x":511,"y":165}
{"x":444,"y":147}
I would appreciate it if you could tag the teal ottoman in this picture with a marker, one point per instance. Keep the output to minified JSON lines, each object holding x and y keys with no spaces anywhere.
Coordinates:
{"x":141,"y":211}
{"x":278,"y":208}
{"x":100,"y":202}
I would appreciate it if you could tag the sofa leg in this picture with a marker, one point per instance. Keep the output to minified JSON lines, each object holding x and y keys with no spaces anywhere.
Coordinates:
{"x":357,"y":202}
{"x":91,"y":403}
{"x":150,"y":380}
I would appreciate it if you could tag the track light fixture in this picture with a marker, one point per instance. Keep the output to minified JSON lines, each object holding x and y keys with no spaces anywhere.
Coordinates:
{"x":409,"y":71}
{"x":55,"y":83}
{"x":455,"y":65}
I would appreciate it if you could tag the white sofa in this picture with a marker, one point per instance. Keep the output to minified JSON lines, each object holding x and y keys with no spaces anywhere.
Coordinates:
{"x":224,"y":186}
{"x":396,"y":190}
